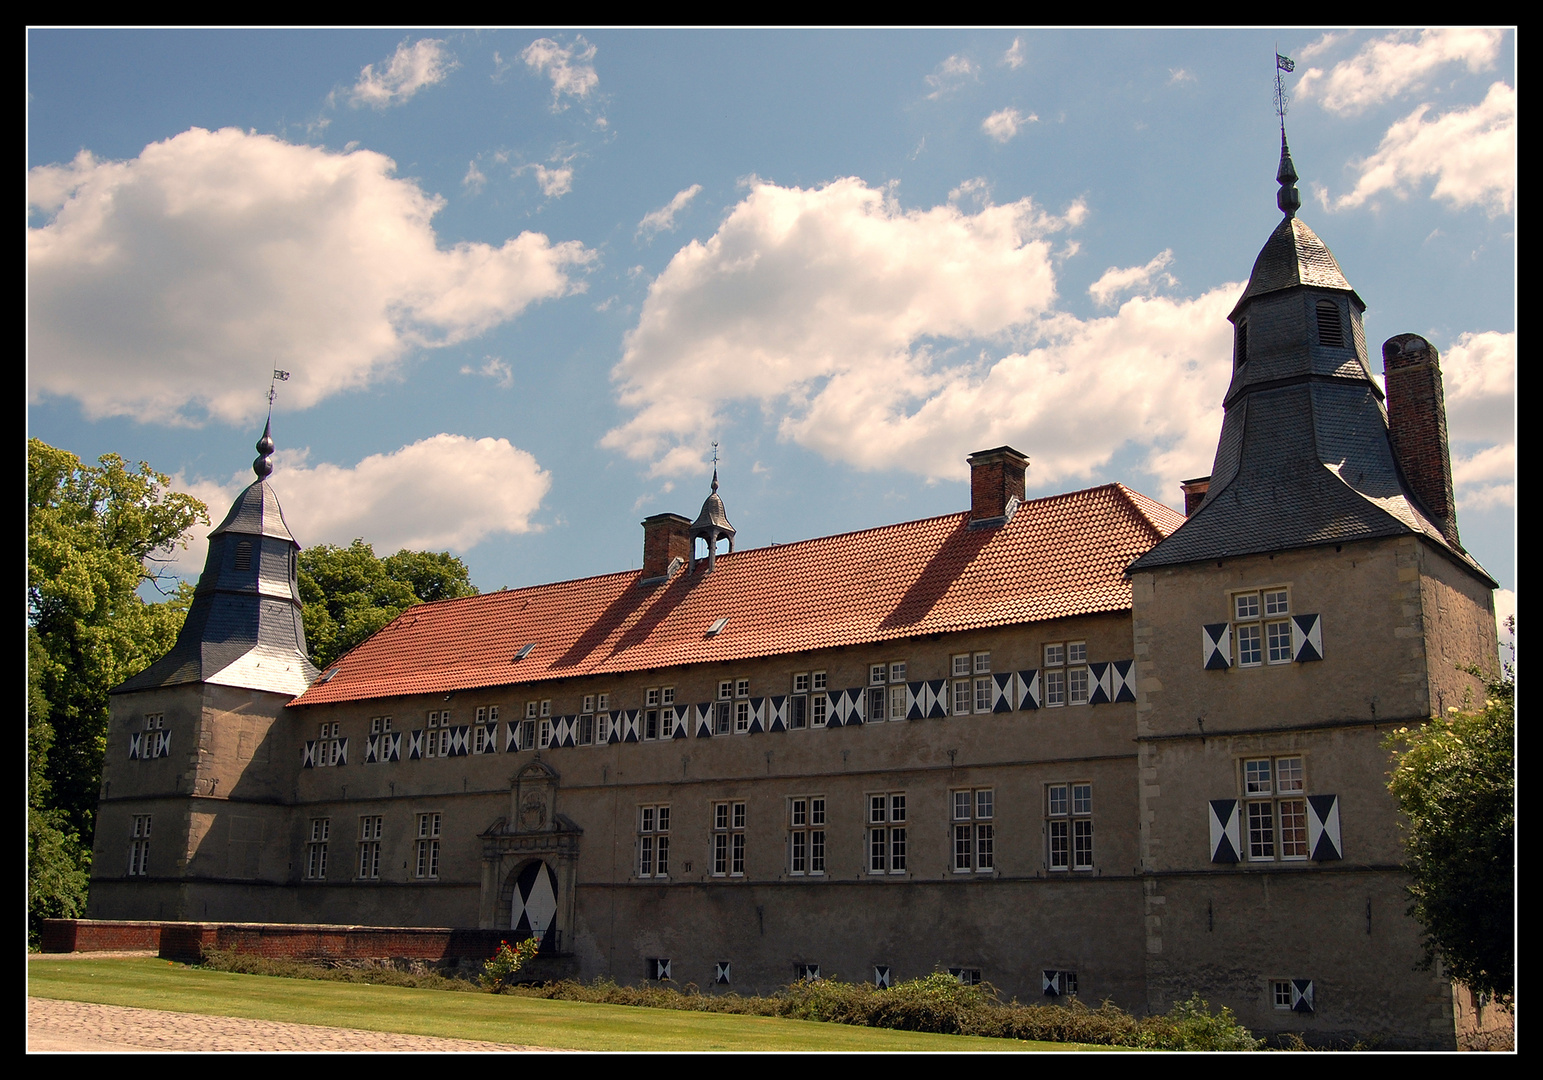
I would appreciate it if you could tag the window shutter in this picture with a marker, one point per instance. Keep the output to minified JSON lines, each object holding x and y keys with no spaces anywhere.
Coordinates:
{"x":915,"y":700}
{"x":490,"y":738}
{"x":661,"y":969}
{"x":1306,"y":638}
{"x":881,"y":976}
{"x":629,"y":723}
{"x":394,"y":747}
{"x":857,"y":706}
{"x":757,"y":714}
{"x":721,"y":973}
{"x":308,"y":760}
{"x":340,"y":751}
{"x":1028,"y":689}
{"x":704,"y":720}
{"x":372,"y":750}
{"x":1051,"y":981}
{"x":136,"y":744}
{"x":779,"y":713}
{"x":937,"y":699}
{"x":1002,"y":692}
{"x":1302,"y":995}
{"x":1323,"y":827}
{"x":1226,"y":840}
{"x":1124,"y":680}
{"x":1216,"y":646}
{"x":415,"y":744}
{"x":162,"y":743}
{"x":1099,"y":690}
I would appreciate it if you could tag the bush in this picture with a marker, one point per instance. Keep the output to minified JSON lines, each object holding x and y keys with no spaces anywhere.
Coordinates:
{"x":502,"y":966}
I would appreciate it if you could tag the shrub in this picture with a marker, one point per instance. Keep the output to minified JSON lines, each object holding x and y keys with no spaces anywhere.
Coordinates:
{"x":503,"y":964}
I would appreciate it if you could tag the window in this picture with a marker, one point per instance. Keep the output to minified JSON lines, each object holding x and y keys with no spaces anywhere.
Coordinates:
{"x":1058,"y":983}
{"x":603,"y":702}
{"x":1331,"y":330}
{"x":886,"y":832}
{"x":724,"y":710}
{"x":886,"y":691}
{"x":1280,"y":991}
{"x":654,"y":841}
{"x":798,"y":703}
{"x":139,"y":846}
{"x":729,"y":839}
{"x":369,"y":848}
{"x":1262,"y":627}
{"x":437,"y":742}
{"x":544,"y":733}
{"x":330,"y":749}
{"x":1067,"y":680}
{"x":967,"y":976}
{"x":316,"y":849}
{"x":1069,"y":810}
{"x":658,"y":968}
{"x":428,"y":846}
{"x":806,"y":835}
{"x":527,"y":735}
{"x":380,"y":725}
{"x":1276,"y":809}
{"x":530,"y":710}
{"x":1240,"y":346}
{"x":154,"y":742}
{"x":485,"y":734}
{"x":974,"y":833}
{"x":819,"y":703}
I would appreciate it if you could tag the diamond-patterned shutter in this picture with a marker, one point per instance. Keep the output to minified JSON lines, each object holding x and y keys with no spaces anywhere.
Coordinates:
{"x":1216,"y":646}
{"x":758,"y":714}
{"x":394,"y":747}
{"x":881,"y":976}
{"x":721,"y":973}
{"x":1028,"y":689}
{"x":704,"y":720}
{"x":460,"y":740}
{"x":661,"y":968}
{"x":1306,"y":638}
{"x":1002,"y":687}
{"x":1302,"y":995}
{"x":778,"y":713}
{"x":308,"y":758}
{"x":340,"y":751}
{"x":629,"y":724}
{"x":372,"y":750}
{"x":1123,"y":680}
{"x":1323,"y":828}
{"x":1050,"y":981}
{"x":136,"y":744}
{"x":915,"y":700}
{"x":415,"y":745}
{"x":1226,"y":838}
{"x":1098,"y":689}
{"x":490,"y":738}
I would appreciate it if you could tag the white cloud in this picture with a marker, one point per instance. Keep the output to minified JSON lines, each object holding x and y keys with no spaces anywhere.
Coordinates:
{"x":494,"y":368}
{"x":1004,"y":124}
{"x":555,"y":183}
{"x":1013,"y":57}
{"x":1323,"y":44}
{"x":663,"y":219}
{"x":1133,"y":278}
{"x":1180,"y":75}
{"x":448,"y":492}
{"x":570,"y":67}
{"x":1485,"y":479}
{"x":474,"y":179}
{"x":1471,"y":153}
{"x":214,"y":257}
{"x":1478,"y":376}
{"x":410,"y":69}
{"x":885,"y":338}
{"x":1505,"y":608}
{"x":1395,"y":64}
{"x":950,"y":75}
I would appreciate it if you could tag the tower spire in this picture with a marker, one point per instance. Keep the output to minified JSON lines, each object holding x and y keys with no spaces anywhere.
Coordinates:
{"x":1287,"y":198}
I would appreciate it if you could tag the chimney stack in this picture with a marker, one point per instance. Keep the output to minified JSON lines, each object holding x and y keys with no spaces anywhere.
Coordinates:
{"x":996,"y":484}
{"x":1194,"y":493}
{"x":1417,"y":425}
{"x":666,"y":537}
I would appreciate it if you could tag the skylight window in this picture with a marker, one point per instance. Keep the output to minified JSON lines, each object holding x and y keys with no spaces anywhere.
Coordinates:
{"x":718,"y":625}
{"x":524,"y":651}
{"x":327,"y":677}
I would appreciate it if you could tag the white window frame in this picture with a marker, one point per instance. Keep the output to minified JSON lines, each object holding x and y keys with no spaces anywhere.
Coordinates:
{"x":1261,"y":626}
{"x":426,"y":867}
{"x":819,"y":700}
{"x":1069,"y":826}
{"x":653,"y":841}
{"x":370,"y":831}
{"x":1274,"y":798}
{"x":973,"y":817}
{"x":806,"y":835}
{"x":139,"y":846}
{"x":316,"y":849}
{"x":727,"y":857}
{"x":886,"y":840}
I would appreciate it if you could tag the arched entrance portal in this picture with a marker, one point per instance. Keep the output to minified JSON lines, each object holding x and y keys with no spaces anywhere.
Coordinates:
{"x":534,"y":906}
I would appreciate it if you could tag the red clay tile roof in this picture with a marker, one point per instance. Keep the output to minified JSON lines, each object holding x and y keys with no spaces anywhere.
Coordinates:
{"x":1059,"y":556}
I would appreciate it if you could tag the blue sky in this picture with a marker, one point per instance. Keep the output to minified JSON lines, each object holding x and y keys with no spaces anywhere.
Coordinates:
{"x":523,"y":279}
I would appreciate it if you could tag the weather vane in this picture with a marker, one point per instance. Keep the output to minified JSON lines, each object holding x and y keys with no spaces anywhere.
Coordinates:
{"x":1282,"y":63}
{"x":278,"y":377}
{"x":715,"y":455}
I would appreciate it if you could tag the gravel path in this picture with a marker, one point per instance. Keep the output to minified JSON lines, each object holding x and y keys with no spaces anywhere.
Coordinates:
{"x":77,"y":1026}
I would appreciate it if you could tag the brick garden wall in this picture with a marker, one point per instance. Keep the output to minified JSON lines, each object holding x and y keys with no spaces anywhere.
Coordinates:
{"x":185,"y":940}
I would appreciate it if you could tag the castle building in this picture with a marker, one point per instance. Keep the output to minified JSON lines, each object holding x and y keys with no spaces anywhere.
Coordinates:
{"x":1074,"y":746}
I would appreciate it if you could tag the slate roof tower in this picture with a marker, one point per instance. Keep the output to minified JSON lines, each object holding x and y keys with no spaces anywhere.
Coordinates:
{"x":244,"y":627}
{"x":1304,"y":457}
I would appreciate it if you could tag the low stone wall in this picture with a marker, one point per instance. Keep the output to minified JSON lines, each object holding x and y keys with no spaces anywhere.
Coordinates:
{"x":301,"y":941}
{"x":98,"y":935}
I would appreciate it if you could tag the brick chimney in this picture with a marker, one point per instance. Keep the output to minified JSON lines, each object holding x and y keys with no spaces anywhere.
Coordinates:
{"x":1417,"y":425}
{"x":666,"y":537}
{"x":996,"y":484}
{"x":1194,"y":493}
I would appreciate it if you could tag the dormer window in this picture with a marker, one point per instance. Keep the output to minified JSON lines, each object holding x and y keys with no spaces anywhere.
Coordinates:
{"x":244,"y":555}
{"x":1240,"y":346}
{"x":1331,"y":330}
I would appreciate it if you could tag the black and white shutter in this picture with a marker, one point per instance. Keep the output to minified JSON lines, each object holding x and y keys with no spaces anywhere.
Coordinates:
{"x":415,"y":744}
{"x":704,"y":720}
{"x":308,"y":759}
{"x":1002,"y":687}
{"x":393,"y":744}
{"x":1098,"y":689}
{"x":1123,"y":680}
{"x":372,"y":750}
{"x":1323,"y":842}
{"x":136,"y":744}
{"x":721,"y":973}
{"x":1226,"y":838}
{"x":1028,"y":689}
{"x":757,"y":714}
{"x":1306,"y":638}
{"x":1216,"y":646}
{"x":340,"y":751}
{"x":1051,"y":981}
{"x":1302,"y":995}
{"x":777,"y":713}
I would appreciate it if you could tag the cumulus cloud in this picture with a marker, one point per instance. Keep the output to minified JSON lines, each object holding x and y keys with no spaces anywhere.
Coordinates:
{"x":1004,"y":124}
{"x":448,"y":492}
{"x":1014,"y":57}
{"x":1116,"y":281}
{"x":1470,"y":152}
{"x":555,"y":183}
{"x":570,"y":67}
{"x":410,"y":69}
{"x":950,"y":75}
{"x":663,"y":219}
{"x":1485,"y":479}
{"x":1396,"y":64}
{"x":214,"y":257}
{"x":1478,"y":375}
{"x":884,"y":337}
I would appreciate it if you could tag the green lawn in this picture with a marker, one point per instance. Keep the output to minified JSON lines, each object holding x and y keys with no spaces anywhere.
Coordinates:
{"x":156,"y":984}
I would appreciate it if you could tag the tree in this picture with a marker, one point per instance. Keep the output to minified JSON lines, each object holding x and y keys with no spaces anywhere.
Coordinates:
{"x":1455,"y":782}
{"x":348,"y":593}
{"x":93,"y":538}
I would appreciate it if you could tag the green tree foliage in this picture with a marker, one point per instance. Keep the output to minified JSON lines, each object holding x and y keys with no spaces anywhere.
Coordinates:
{"x":93,"y":534}
{"x":1455,"y":781}
{"x":349,"y":593}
